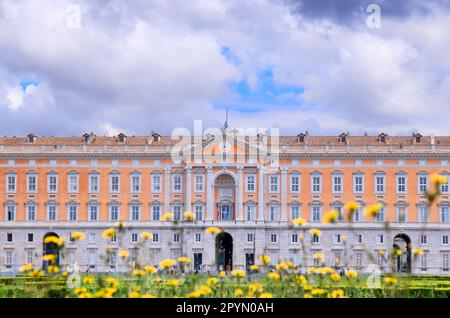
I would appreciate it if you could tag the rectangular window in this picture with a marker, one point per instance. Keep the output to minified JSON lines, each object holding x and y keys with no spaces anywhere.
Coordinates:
{"x":156,"y":184}
{"x":337,"y":239}
{"x":250,"y":183}
{"x":379,"y":217}
{"x":316,"y":184}
{"x":337,"y":259}
{"x":444,"y":188}
{"x":337,"y":184}
{"x":52,"y":186}
{"x":73,"y":212}
{"x":93,"y":212}
{"x":358,"y":184}
{"x":199,"y":183}
{"x":11,"y":212}
{"x":358,"y":260}
{"x":73,"y":183}
{"x":114,"y":183}
{"x":423,"y":239}
{"x":177,"y":183}
{"x":113,"y":239}
{"x":155,"y":237}
{"x":401,"y":214}
{"x":445,"y":240}
{"x":423,"y":262}
{"x":273,"y":182}
{"x":156,"y":212}
{"x":135,"y":184}
{"x":444,"y":261}
{"x":423,"y":213}
{"x":315,"y":239}
{"x":380,"y":184}
{"x":423,"y":184}
{"x":30,"y":254}
{"x":295,"y":184}
{"x":32,"y":183}
{"x":92,"y":258}
{"x":295,"y":211}
{"x":198,"y":237}
{"x":31,"y":212}
{"x":51,"y":212}
{"x":250,"y":237}
{"x":199,"y":212}
{"x":177,"y":213}
{"x":135,"y":212}
{"x":134,"y":237}
{"x":176,"y":237}
{"x":114,"y":212}
{"x":401,"y":184}
{"x":273,"y":238}
{"x":91,"y":238}
{"x":358,"y":239}
{"x":273,"y":213}
{"x":294,"y":238}
{"x":94,"y":183}
{"x":250,"y":212}
{"x":380,"y":239}
{"x":444,"y":214}
{"x":30,"y":238}
{"x":316,"y":213}
{"x":11,"y":185}
{"x":380,"y":258}
{"x":9,"y":237}
{"x":9,"y":258}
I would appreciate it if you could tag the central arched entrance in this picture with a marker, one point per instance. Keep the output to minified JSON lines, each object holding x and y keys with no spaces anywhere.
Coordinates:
{"x":50,"y":248}
{"x":224,"y":251}
{"x":402,"y":263}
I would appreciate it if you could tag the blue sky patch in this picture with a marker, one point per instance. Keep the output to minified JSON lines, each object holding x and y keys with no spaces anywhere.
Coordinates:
{"x":25,"y":83}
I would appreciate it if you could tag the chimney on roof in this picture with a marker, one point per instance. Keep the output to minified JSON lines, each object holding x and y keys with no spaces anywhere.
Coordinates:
{"x":156,"y":136}
{"x":417,"y":138}
{"x":382,"y":137}
{"x":31,"y":138}
{"x":343,"y":137}
{"x":88,"y":138}
{"x":122,"y":137}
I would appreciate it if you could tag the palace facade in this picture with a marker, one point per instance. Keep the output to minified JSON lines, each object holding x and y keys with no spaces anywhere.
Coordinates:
{"x":57,"y":185}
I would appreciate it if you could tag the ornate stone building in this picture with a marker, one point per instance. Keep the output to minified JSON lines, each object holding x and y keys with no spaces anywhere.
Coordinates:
{"x":57,"y":185}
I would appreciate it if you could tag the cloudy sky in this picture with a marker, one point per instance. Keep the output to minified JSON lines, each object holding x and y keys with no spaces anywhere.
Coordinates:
{"x":137,"y":66}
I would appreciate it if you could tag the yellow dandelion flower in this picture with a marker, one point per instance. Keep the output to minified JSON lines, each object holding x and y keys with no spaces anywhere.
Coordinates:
{"x":238,"y":273}
{"x":299,"y":222}
{"x":265,"y":295}
{"x":254,"y":267}
{"x":418,"y":251}
{"x":213,"y":230}
{"x":138,"y":272}
{"x":112,"y":281}
{"x":189,"y":216}
{"x":438,"y":179}
{"x":335,"y":277}
{"x":238,"y":292}
{"x":390,"y":280}
{"x":146,"y":235}
{"x":344,"y":237}
{"x":134,"y":294}
{"x":320,"y":256}
{"x":77,"y":236}
{"x":315,"y":232}
{"x":338,"y":293}
{"x":351,"y":274}
{"x":222,"y":274}
{"x":167,"y":263}
{"x":302,"y":280}
{"x":373,"y":209}
{"x":150,"y":269}
{"x":318,"y":291}
{"x":398,"y":252}
{"x":88,"y":280}
{"x":26,"y":268}
{"x":351,"y":206}
{"x":194,"y":294}
{"x":124,"y":254}
{"x":273,"y":276}
{"x":307,"y":295}
{"x":52,"y":269}
{"x":330,"y":217}
{"x":211,"y":281}
{"x":174,"y":282}
{"x":265,"y":259}
{"x":167,"y":217}
{"x":49,"y":257}
{"x":185,"y":260}
{"x":36,"y":273}
{"x":109,"y":233}
{"x":148,"y":296}
{"x":281,"y":266}
{"x":204,"y":290}
{"x":255,"y":287}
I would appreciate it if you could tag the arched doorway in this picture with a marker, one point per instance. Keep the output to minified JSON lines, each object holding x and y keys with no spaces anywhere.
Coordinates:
{"x":50,"y":248}
{"x":402,"y":263}
{"x":225,"y":194}
{"x":224,"y":251}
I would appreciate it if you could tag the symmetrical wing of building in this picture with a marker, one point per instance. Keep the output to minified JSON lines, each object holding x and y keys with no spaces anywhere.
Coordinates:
{"x":57,"y":185}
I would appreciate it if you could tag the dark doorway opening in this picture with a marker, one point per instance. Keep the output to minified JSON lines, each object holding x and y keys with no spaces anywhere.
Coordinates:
{"x":224,"y":252}
{"x":198,"y":261}
{"x":249,"y":260}
{"x":50,"y":248}
{"x":402,"y":264}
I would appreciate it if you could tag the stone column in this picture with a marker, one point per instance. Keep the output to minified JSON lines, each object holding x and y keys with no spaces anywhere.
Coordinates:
{"x":166,"y":189}
{"x":261,"y":194}
{"x":187,"y":200}
{"x":209,"y":195}
{"x":239,"y":195}
{"x":283,"y":194}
